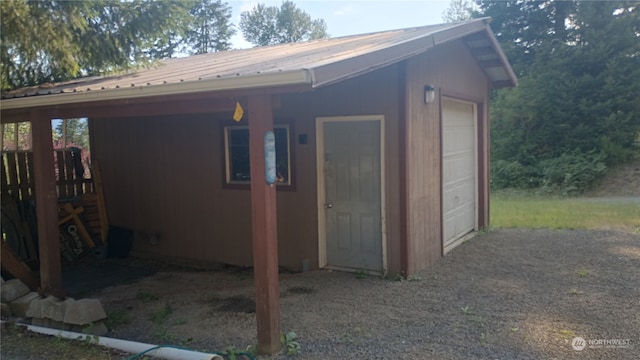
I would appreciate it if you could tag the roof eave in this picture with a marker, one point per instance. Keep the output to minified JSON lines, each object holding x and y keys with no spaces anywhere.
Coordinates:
{"x":283,"y":78}
{"x":513,"y":79}
{"x":334,"y":72}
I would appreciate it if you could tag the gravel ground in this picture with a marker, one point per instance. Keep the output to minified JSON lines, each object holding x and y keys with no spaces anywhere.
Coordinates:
{"x":506,"y":294}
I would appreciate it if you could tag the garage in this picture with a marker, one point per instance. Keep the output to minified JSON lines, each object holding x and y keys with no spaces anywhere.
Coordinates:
{"x":399,"y":179}
{"x":459,"y":171}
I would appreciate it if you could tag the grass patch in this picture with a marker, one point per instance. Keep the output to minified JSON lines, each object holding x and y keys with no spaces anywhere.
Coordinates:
{"x":574,"y":291}
{"x":116,"y":318}
{"x":361,"y":274}
{"x":533,"y":212}
{"x":146,"y":297}
{"x":566,"y":333}
{"x":161,"y":315}
{"x":583,"y":273}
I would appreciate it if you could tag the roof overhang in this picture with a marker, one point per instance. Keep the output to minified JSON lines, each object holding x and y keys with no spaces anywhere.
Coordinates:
{"x":264,"y":80}
{"x":358,"y":65}
{"x":485,"y":49}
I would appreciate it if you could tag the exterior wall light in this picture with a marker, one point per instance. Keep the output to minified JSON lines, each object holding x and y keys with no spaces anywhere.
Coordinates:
{"x":429,"y":94}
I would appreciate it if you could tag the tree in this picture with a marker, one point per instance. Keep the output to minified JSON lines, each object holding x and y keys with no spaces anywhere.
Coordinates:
{"x":72,"y":133}
{"x":522,"y":27}
{"x":16,"y":136}
{"x":576,"y":107}
{"x":268,"y":25}
{"x":458,"y":10}
{"x":50,"y":41}
{"x":210,"y":29}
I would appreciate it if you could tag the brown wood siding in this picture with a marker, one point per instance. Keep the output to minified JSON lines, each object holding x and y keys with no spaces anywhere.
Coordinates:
{"x":372,"y":94}
{"x":451,"y":70}
{"x":162,"y":175}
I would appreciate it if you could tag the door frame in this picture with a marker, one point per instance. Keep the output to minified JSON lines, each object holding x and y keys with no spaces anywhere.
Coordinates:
{"x":322,"y":223}
{"x":476,"y":146}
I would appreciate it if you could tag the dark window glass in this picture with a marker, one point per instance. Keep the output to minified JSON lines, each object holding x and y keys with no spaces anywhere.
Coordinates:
{"x":237,"y":141}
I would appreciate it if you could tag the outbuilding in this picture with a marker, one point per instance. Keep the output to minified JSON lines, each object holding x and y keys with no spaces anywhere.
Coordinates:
{"x":381,"y":152}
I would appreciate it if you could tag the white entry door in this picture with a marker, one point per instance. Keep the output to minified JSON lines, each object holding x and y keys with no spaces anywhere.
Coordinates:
{"x":459,"y":171}
{"x":350,"y":197}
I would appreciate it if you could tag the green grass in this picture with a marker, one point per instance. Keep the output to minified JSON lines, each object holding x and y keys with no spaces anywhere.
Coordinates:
{"x":146,"y":297}
{"x":116,"y":318}
{"x":530,"y":211}
{"x":162,"y":314}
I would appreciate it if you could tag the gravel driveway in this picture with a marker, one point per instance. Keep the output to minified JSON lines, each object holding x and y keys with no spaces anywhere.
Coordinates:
{"x":507,"y":294}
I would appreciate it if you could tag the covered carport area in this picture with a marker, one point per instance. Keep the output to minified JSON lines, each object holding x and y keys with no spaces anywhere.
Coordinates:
{"x":256,"y":96}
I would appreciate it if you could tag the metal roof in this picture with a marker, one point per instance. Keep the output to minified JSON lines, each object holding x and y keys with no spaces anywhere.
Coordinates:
{"x":315,"y":63}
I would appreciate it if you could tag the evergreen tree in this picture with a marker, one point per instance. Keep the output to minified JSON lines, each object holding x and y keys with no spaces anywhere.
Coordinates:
{"x":523,"y":27}
{"x":268,"y":25}
{"x":50,"y":41}
{"x":576,"y":107}
{"x":210,"y":29}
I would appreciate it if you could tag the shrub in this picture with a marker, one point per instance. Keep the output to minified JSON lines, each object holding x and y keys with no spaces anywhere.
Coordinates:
{"x":572,"y":173}
{"x":512,"y":174}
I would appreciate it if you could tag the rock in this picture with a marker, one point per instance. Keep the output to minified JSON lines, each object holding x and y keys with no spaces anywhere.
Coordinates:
{"x":5,"y":310}
{"x":20,"y":306}
{"x":83,"y":312}
{"x":12,"y":290}
{"x":54,"y":309}
{"x":39,"y":308}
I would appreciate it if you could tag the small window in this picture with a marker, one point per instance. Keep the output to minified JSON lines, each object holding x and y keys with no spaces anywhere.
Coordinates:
{"x":72,"y":135}
{"x":16,"y":136}
{"x":236,"y":140}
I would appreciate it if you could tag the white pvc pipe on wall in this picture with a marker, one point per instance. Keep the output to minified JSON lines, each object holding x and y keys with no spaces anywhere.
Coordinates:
{"x":132,"y":347}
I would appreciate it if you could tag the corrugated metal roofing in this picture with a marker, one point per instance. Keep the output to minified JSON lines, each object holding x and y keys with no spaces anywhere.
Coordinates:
{"x":314,"y":63}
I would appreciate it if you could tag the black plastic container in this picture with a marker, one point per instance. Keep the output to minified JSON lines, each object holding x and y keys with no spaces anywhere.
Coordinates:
{"x":119,"y":242}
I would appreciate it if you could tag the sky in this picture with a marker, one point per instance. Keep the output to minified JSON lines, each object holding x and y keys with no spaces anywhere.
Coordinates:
{"x":354,"y":17}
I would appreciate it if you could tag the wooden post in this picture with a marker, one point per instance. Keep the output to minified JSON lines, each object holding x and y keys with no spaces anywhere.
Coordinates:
{"x":264,"y":228}
{"x":46,"y":206}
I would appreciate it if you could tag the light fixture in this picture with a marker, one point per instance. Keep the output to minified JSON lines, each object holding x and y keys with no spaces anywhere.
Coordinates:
{"x":429,"y":94}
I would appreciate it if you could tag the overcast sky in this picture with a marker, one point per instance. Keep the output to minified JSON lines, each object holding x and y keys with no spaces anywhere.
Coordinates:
{"x":357,"y":16}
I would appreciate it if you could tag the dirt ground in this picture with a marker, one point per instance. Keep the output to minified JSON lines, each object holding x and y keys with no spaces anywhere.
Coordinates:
{"x":506,"y":294}
{"x":620,"y":182}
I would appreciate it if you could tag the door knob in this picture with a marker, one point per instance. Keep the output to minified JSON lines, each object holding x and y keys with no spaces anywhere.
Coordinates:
{"x":328,"y":206}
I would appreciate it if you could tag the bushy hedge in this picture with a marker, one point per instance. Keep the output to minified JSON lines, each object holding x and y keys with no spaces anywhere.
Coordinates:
{"x":573,"y":172}
{"x":569,"y":174}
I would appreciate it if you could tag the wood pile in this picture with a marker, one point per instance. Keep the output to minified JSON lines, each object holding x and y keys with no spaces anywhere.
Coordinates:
{"x":82,"y":213}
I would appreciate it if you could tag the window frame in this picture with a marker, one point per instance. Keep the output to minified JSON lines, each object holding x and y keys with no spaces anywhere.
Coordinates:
{"x":15,"y":141}
{"x":228,"y":183}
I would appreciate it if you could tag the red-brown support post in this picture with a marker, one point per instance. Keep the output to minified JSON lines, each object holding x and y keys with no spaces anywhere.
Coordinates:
{"x":46,"y":205}
{"x":264,"y":228}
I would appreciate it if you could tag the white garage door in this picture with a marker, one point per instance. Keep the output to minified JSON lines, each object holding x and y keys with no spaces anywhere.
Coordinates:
{"x":458,"y":171}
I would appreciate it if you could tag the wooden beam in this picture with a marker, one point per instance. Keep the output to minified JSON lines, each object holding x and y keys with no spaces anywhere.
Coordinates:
{"x":483,"y":51}
{"x":481,"y":154}
{"x":197,"y":103}
{"x":490,"y":63}
{"x":403,"y":140}
{"x":16,"y":267}
{"x":264,"y":228}
{"x":46,"y":205}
